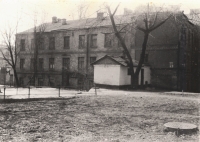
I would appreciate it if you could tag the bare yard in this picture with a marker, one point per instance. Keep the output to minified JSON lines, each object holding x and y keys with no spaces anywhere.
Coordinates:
{"x":117,"y":118}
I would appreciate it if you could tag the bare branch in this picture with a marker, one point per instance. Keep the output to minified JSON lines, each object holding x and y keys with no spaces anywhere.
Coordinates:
{"x":155,"y":19}
{"x":116,"y":9}
{"x":141,"y":29}
{"x":155,"y":27}
{"x":5,"y":58}
{"x":123,"y":27}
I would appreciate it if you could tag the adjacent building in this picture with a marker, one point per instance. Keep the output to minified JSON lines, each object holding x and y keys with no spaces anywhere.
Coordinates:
{"x":172,"y":54}
{"x":6,"y":72}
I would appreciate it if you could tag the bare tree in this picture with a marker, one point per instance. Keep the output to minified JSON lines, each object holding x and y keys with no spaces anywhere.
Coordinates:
{"x":150,"y":22}
{"x":38,"y":44}
{"x":9,"y":40}
{"x":82,"y":9}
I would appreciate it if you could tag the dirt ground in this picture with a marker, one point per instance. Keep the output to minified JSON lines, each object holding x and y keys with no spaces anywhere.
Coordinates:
{"x":117,"y":118}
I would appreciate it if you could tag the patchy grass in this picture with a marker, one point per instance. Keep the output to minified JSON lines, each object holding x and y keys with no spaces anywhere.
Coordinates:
{"x":96,"y":118}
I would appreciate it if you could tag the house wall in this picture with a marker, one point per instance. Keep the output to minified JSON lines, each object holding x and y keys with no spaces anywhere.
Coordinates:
{"x":147,"y":75}
{"x":107,"y":74}
{"x":171,"y":42}
{"x":125,"y":79}
{"x":73,"y":53}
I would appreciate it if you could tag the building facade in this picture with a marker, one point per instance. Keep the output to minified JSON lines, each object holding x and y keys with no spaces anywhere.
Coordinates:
{"x":172,"y":54}
{"x":66,"y":51}
{"x":6,"y":72}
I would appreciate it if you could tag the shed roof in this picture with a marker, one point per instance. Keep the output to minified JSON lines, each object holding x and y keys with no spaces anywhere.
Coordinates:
{"x":119,"y":60}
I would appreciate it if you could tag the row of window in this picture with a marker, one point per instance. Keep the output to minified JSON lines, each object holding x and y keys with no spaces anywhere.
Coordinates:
{"x":65,"y":63}
{"x":109,"y":40}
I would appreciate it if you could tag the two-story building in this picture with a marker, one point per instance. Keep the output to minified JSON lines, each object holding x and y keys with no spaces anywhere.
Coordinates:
{"x":67,"y":49}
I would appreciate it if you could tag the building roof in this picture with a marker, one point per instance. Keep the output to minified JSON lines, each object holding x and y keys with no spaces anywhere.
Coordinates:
{"x":119,"y":60}
{"x":104,"y":22}
{"x":82,"y":24}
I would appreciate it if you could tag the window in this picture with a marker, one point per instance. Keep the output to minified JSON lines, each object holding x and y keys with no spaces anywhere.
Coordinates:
{"x":32,"y":64}
{"x":41,"y":43}
{"x":40,"y":81}
{"x":21,"y":81}
{"x":66,"y":42}
{"x":51,"y":63}
{"x":52,"y":43}
{"x":22,"y":44}
{"x":123,"y":37}
{"x":31,"y":81}
{"x":81,"y":41}
{"x":93,"y":41}
{"x":146,"y":58}
{"x":92,"y":59}
{"x":80,"y":62}
{"x":32,"y":44}
{"x":171,"y":64}
{"x":22,"y":62}
{"x":108,"y":42}
{"x":41,"y":63}
{"x":66,"y":63}
{"x":51,"y":80}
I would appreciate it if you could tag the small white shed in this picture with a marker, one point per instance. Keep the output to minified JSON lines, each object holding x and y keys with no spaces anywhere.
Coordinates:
{"x":112,"y":72}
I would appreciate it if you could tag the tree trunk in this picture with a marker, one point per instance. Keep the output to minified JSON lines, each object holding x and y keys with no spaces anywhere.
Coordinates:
{"x":36,"y":40}
{"x":141,"y":61}
{"x":16,"y":76}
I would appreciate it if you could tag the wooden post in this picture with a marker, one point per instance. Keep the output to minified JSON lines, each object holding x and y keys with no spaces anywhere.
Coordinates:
{"x":95,"y":89}
{"x":4,"y":97}
{"x":59,"y":91}
{"x":29,"y":90}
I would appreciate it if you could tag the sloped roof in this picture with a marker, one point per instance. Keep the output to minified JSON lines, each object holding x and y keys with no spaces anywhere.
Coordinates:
{"x":119,"y":60}
{"x":83,"y":23}
{"x":105,"y":22}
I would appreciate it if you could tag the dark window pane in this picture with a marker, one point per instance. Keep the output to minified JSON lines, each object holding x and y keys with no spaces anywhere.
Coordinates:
{"x":92,"y":59}
{"x":41,"y":63}
{"x":93,"y":41}
{"x":21,"y":81}
{"x":51,"y":63}
{"x":81,"y":41}
{"x":32,"y":44}
{"x":32,"y":64}
{"x":51,"y":43}
{"x":40,"y":81}
{"x":66,"y":42}
{"x":108,"y":40}
{"x":66,"y":63}
{"x":22,"y":62}
{"x":22,"y":45}
{"x":41,"y":43}
{"x":123,"y":37}
{"x":80,"y":62}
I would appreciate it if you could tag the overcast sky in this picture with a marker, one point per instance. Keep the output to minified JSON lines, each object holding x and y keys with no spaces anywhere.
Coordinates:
{"x":27,"y":12}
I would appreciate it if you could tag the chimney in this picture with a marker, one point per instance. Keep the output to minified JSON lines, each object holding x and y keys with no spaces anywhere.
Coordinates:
{"x":54,"y":19}
{"x":64,"y":22}
{"x":59,"y":20}
{"x":100,"y":16}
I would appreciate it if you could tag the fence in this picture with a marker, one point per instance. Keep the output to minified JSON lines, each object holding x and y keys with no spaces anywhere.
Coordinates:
{"x":38,"y":92}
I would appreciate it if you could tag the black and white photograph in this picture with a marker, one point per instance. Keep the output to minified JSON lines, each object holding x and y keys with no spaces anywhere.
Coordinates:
{"x":99,"y":71}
